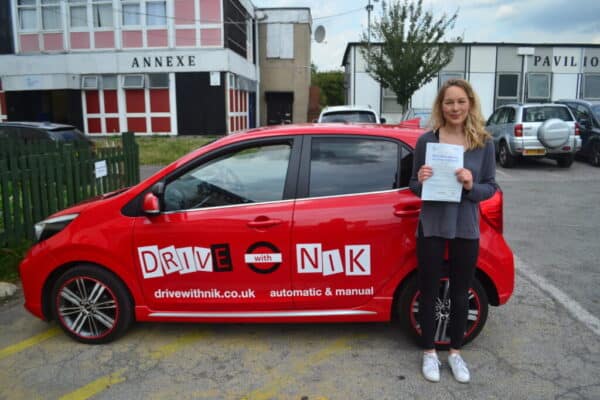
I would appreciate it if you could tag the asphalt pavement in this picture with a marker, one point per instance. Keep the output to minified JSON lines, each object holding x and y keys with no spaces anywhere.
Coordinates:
{"x":543,"y":344}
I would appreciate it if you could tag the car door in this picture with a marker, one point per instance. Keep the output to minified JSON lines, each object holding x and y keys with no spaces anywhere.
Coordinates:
{"x":492,"y":124}
{"x":354,"y":221}
{"x":223,"y":239}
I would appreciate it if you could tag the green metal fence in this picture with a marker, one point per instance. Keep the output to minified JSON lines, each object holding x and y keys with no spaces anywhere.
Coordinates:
{"x":38,"y":179}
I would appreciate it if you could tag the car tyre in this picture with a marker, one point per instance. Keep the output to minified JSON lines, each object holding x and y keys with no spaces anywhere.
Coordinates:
{"x":595,"y":154}
{"x":407,"y":308}
{"x":91,"y":304}
{"x":506,"y":159}
{"x":566,"y":161}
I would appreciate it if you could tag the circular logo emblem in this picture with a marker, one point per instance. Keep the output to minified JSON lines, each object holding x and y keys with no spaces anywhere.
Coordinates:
{"x":263,"y":257}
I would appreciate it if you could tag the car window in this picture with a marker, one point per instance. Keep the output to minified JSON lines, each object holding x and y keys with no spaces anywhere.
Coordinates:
{"x":352,"y":165}
{"x":495,"y":117}
{"x":67,"y":135}
{"x":32,"y":134}
{"x":510,"y":115}
{"x":254,"y":174}
{"x":596,"y":111}
{"x":349,"y":116}
{"x":541,"y":114}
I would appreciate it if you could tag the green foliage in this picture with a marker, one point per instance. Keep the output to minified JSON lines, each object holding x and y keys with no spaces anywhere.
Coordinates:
{"x":409,"y":50}
{"x":161,"y":150}
{"x":10,"y":258}
{"x":331,"y":84}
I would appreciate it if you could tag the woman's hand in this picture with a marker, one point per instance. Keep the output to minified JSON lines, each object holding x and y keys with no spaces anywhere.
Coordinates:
{"x":465,"y":177}
{"x":425,"y":172}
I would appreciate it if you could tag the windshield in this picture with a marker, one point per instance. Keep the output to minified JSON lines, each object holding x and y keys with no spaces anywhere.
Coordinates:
{"x":541,"y":114}
{"x":349,"y":116}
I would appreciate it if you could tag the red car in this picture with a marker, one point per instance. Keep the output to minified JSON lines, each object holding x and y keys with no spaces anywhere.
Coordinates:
{"x":308,"y":223}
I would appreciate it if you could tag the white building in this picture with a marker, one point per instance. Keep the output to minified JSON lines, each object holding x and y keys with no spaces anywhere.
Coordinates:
{"x":499,"y":72}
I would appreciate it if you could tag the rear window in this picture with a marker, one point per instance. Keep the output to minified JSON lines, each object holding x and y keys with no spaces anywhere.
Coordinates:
{"x":541,"y":114}
{"x":349,"y":116}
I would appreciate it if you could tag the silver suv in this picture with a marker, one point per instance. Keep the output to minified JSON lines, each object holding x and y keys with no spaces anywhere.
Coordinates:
{"x":534,"y":130}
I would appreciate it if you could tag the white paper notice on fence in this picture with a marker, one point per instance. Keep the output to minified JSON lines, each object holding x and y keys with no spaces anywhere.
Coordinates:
{"x":100,"y":169}
{"x":444,"y":160}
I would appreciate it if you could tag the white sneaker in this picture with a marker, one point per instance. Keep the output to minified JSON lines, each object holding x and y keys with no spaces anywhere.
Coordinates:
{"x":459,"y":368}
{"x":431,"y":367}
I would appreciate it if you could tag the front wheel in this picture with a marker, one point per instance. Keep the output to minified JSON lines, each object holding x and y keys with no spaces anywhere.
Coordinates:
{"x":408,"y":311}
{"x":91,"y":304}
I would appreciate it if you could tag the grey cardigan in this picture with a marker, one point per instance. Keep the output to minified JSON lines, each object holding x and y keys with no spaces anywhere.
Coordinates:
{"x":456,"y":220}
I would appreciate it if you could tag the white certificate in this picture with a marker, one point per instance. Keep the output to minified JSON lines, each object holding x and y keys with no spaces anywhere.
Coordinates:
{"x":444,"y":160}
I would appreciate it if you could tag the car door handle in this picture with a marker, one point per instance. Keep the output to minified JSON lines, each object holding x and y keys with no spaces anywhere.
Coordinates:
{"x":407,"y":213}
{"x":263,"y":223}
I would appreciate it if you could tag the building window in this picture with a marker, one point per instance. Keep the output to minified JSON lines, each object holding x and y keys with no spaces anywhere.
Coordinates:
{"x":507,"y":88}
{"x":591,"y":86}
{"x":27,"y":15}
{"x":51,"y":15}
{"x":444,"y":76}
{"x":109,"y":82}
{"x":89,"y":82}
{"x":280,"y":39}
{"x":133,"y":81}
{"x":156,"y":81}
{"x":131,"y":13}
{"x":103,"y":13}
{"x":538,"y":86}
{"x":156,"y":13}
{"x":78,"y":13}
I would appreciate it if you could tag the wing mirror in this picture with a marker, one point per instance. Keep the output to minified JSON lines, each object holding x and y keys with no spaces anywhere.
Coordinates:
{"x":152,"y":201}
{"x":382,"y":120}
{"x":151,"y":205}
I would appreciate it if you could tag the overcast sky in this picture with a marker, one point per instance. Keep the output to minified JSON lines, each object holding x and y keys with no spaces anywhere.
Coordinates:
{"x":520,"y":21}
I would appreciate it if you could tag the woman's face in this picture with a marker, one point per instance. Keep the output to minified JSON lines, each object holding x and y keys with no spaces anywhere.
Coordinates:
{"x":455,"y":106}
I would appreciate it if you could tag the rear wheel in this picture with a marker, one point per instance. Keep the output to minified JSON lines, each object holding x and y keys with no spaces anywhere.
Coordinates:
{"x":408,"y":311}
{"x":506,"y":159}
{"x":595,"y":154}
{"x":566,"y":161}
{"x":91,"y":304}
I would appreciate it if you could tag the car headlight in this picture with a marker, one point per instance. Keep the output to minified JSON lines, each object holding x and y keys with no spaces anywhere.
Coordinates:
{"x":51,"y":226}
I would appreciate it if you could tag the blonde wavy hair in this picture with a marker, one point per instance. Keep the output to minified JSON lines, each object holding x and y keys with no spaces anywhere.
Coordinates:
{"x":475,"y":133}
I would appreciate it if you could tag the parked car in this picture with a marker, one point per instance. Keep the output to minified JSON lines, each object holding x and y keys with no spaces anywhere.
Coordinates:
{"x":360,"y":114}
{"x":285,"y":224}
{"x":424,"y":115}
{"x":534,"y":130}
{"x":587,"y":114}
{"x":44,"y":131}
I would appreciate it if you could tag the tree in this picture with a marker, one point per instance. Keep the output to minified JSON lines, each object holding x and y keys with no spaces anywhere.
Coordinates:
{"x":409,"y":50}
{"x":331,"y":84}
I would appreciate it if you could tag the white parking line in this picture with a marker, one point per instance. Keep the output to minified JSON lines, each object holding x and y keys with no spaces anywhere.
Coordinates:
{"x":571,"y":305}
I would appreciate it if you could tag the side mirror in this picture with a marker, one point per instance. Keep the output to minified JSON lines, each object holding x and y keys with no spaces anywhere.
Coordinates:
{"x":151,"y":205}
{"x":382,"y":120}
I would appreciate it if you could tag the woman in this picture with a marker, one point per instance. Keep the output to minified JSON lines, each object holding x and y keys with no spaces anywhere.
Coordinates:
{"x":457,"y":120}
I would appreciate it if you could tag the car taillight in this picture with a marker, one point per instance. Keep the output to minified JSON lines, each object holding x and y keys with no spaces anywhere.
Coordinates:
{"x":577,"y":129}
{"x":491,"y":211}
{"x":518,"y":130}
